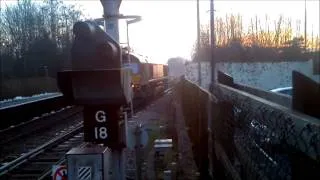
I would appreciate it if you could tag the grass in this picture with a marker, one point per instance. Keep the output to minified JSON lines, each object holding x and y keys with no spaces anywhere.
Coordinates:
{"x":153,"y":135}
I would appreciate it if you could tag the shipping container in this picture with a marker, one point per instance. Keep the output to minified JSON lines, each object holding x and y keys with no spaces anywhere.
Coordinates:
{"x":157,"y":71}
{"x":165,"y":70}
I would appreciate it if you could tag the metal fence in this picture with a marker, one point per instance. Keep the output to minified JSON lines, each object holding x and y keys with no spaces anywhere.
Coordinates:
{"x":237,"y":135}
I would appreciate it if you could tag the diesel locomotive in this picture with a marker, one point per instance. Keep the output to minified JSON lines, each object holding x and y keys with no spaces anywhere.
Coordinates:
{"x":148,"y":79}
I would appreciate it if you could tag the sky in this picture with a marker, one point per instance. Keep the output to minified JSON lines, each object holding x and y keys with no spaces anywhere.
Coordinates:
{"x":168,"y":27}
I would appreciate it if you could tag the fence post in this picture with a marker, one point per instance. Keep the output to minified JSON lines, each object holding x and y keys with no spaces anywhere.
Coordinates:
{"x":203,"y":118}
{"x":210,"y":137}
{"x":138,"y":151}
{"x":217,"y":169}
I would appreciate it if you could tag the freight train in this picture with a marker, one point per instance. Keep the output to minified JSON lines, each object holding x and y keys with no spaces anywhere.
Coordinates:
{"x":148,"y":79}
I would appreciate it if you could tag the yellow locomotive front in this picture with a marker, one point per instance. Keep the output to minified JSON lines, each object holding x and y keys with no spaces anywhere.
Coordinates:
{"x":137,"y":70}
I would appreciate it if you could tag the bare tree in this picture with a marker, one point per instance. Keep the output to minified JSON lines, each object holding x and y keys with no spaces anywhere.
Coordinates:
{"x":266,"y":42}
{"x":33,"y":28}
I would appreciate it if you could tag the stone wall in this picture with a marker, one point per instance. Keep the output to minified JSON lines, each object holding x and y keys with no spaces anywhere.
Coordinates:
{"x":266,"y":76}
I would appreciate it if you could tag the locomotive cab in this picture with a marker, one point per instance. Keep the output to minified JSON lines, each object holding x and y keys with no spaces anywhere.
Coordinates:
{"x":137,"y":69}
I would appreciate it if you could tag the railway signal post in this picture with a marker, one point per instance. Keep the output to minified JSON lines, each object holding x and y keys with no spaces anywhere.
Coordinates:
{"x":100,"y":84}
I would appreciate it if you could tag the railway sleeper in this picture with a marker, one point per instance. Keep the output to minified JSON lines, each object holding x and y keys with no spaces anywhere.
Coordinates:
{"x":10,"y":158}
{"x":23,"y":176}
{"x":63,"y":146}
{"x":73,"y":140}
{"x":45,"y":158}
{"x":55,"y":153}
{"x":30,"y":169}
{"x":42,"y":163}
{"x":69,"y":146}
{"x":61,"y":149}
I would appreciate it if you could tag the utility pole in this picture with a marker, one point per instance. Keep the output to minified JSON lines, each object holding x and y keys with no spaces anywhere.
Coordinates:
{"x":305,"y":25}
{"x":1,"y":64}
{"x":212,"y":39}
{"x":128,"y":43}
{"x":198,"y":43}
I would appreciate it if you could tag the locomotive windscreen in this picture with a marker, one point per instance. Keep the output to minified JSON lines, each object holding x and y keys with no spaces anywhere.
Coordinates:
{"x":133,"y":59}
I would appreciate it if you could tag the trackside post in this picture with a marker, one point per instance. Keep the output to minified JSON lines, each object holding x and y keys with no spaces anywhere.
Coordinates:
{"x":99,"y":83}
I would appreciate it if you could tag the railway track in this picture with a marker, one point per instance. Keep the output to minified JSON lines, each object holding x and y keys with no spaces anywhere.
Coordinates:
{"x":37,"y":163}
{"x":37,"y":124}
{"x":39,"y":153}
{"x":21,"y":145}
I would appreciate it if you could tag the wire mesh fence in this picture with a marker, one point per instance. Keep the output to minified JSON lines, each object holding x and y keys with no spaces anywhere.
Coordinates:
{"x":236,"y":135}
